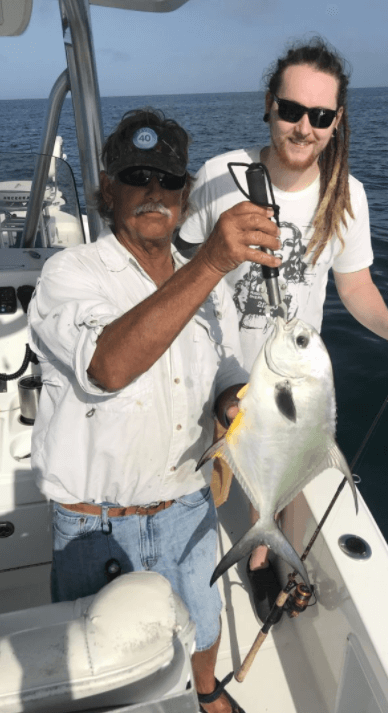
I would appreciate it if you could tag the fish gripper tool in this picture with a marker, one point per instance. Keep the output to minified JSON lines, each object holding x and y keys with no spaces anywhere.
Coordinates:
{"x":258,"y":179}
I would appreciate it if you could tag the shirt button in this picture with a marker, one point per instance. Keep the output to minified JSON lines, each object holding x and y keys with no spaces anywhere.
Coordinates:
{"x":173,"y":468}
{"x":178,"y":428}
{"x":177,"y":381}
{"x":219,"y":314}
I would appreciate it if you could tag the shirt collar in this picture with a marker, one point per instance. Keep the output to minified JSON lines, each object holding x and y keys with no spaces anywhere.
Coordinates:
{"x":116,"y":258}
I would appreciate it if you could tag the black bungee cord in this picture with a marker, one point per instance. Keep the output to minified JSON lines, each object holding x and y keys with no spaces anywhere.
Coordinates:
{"x":29,"y":356}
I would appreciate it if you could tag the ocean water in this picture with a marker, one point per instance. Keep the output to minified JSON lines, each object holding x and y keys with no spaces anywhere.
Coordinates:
{"x":222,"y":122}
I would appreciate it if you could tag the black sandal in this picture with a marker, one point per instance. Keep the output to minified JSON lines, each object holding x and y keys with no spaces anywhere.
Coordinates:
{"x":265,"y":588}
{"x":219,"y":689}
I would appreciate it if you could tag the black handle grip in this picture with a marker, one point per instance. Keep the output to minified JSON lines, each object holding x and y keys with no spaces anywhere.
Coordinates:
{"x":256,"y":184}
{"x":255,"y":176}
{"x":269,"y":272}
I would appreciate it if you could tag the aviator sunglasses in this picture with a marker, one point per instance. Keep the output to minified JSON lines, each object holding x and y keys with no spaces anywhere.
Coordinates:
{"x":293,"y":112}
{"x":142,"y":176}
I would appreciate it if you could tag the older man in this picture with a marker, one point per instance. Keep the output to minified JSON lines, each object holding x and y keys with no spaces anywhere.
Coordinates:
{"x":137,"y":348}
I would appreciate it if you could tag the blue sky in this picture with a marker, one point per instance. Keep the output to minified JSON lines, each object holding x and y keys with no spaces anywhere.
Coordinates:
{"x":205,"y":46}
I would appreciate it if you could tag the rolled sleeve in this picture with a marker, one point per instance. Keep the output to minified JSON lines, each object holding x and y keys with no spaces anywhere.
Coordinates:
{"x":86,"y":345}
{"x":66,"y":316}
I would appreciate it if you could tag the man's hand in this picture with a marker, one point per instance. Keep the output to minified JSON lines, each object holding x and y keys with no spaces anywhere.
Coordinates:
{"x":236,"y":231}
{"x":226,"y":406}
{"x":232,"y":412}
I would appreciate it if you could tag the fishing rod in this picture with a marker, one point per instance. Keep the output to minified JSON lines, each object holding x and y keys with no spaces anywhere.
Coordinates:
{"x":303,"y":595}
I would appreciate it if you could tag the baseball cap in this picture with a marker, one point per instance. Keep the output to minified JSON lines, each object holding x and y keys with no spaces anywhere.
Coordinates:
{"x":145,"y":137}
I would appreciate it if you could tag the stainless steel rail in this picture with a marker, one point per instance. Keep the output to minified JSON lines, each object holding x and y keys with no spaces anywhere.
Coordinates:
{"x":46,"y":148}
{"x":85,"y":94}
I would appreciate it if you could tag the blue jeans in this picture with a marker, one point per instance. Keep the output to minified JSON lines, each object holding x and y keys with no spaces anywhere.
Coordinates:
{"x":180,"y":543}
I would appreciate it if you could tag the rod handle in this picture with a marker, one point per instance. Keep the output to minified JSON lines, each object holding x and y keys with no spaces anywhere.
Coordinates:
{"x":258,"y":642}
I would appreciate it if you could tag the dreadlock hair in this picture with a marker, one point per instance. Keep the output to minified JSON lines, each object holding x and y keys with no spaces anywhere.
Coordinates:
{"x":334,"y":196}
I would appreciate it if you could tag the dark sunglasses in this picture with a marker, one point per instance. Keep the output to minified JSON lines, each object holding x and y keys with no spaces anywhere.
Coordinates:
{"x":293,"y":112}
{"x":142,"y":176}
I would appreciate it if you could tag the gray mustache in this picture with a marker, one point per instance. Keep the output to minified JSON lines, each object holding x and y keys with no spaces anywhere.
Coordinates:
{"x":152,"y":208}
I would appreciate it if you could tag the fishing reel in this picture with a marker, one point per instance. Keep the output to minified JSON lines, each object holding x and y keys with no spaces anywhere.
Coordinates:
{"x":298,"y":600}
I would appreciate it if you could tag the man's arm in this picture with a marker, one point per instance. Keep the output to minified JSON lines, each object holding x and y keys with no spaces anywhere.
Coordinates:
{"x":130,"y":345}
{"x":363,"y":300}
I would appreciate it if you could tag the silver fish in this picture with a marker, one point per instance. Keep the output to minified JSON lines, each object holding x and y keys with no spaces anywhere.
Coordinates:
{"x":283,"y":435}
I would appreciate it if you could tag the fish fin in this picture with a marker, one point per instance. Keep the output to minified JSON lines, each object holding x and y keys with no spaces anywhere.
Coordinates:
{"x":333,"y":458}
{"x":216,"y":450}
{"x":270,"y":536}
{"x":284,"y":400}
{"x":243,"y":391}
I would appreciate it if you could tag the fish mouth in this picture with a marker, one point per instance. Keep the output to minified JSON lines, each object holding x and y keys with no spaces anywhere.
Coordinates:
{"x":289,"y":326}
{"x":280,"y":325}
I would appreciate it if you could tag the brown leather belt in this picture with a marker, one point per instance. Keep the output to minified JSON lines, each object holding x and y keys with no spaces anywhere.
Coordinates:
{"x":88,"y":509}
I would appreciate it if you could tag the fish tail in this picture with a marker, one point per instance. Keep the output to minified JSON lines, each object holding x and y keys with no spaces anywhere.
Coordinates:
{"x":270,"y":536}
{"x":343,"y":466}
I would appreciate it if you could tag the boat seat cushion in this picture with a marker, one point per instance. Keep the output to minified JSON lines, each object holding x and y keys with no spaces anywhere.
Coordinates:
{"x":125,"y":633}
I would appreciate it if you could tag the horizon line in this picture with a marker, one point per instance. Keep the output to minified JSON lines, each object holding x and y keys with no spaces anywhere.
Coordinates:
{"x":174,"y":94}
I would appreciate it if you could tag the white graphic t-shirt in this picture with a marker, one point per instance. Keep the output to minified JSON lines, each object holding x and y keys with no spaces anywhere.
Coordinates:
{"x":302,"y":285}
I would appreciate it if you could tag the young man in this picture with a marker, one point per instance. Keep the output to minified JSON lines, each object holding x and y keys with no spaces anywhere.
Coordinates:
{"x":137,"y":347}
{"x":323,"y":217}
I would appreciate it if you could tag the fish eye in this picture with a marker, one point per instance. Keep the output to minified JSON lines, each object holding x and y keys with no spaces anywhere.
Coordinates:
{"x":302,"y":341}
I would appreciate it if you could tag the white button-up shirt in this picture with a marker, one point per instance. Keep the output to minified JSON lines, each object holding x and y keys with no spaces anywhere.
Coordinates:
{"x":142,"y":443}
